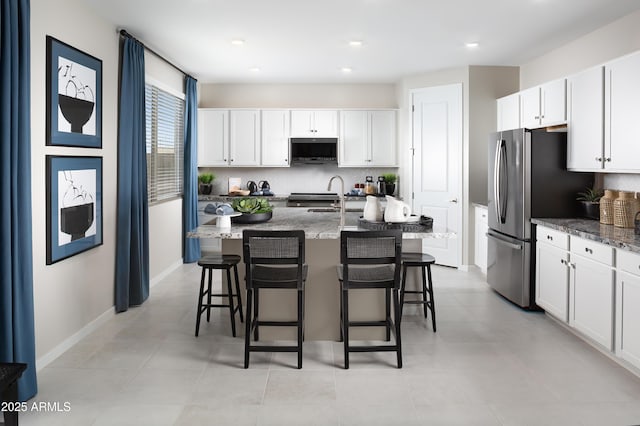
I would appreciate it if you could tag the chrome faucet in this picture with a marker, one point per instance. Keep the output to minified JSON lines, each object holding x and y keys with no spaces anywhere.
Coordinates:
{"x":342,"y":209}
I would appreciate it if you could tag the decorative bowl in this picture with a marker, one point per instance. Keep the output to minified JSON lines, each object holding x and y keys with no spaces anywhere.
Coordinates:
{"x":252,"y":218}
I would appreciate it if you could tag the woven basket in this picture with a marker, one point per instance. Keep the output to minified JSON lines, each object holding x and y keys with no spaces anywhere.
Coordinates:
{"x":625,"y":208}
{"x":606,"y":206}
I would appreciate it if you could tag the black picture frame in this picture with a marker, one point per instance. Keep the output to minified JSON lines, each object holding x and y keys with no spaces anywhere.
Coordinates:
{"x":74,"y":205}
{"x":74,"y":96}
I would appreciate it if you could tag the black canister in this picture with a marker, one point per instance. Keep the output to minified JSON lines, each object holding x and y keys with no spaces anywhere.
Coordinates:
{"x":382,"y":189}
{"x":637,"y":223}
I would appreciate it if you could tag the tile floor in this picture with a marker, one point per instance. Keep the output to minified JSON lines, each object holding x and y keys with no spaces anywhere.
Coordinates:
{"x":490,"y":363}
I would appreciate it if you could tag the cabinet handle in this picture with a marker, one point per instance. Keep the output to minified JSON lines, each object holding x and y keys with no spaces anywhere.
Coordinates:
{"x":599,"y":159}
{"x":608,"y":159}
{"x":549,"y":237}
{"x":537,"y":117}
{"x":588,"y":250}
{"x":232,"y":160}
{"x":564,"y":262}
{"x":573,"y":265}
{"x":286,"y":160}
{"x":224,"y":159}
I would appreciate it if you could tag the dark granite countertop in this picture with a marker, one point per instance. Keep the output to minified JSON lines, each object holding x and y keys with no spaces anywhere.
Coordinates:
{"x":623,"y":238}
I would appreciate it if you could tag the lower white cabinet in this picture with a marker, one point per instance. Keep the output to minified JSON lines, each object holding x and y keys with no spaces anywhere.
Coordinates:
{"x":552,"y":280}
{"x":482,"y":226}
{"x":591,"y":290}
{"x":628,"y":307}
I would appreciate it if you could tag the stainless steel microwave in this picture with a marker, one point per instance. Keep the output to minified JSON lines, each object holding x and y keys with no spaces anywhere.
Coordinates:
{"x":314,"y":150}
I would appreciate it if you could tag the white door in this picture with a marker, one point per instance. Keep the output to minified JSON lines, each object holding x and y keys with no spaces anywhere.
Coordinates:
{"x":213,"y":137}
{"x":382,"y":137}
{"x":325,"y":124}
{"x":353,"y":141}
{"x":301,"y":123}
{"x":508,"y":112}
{"x":553,"y":103}
{"x":530,"y":108}
{"x":552,"y":280}
{"x":437,"y":170}
{"x":244,"y":138}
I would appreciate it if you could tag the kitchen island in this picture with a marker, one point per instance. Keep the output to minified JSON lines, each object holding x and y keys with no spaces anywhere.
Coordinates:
{"x":322,"y":296}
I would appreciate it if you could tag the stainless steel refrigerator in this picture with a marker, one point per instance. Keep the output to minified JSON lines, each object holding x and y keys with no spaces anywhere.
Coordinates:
{"x":527,"y":179}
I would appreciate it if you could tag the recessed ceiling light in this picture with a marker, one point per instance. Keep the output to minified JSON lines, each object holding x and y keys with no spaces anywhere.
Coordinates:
{"x":237,"y":42}
{"x":254,"y":69}
{"x":346,"y":70}
{"x":355,"y":43}
{"x":472,"y":45}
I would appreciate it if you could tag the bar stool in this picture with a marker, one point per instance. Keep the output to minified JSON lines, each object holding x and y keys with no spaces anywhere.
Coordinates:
{"x":274,"y":260}
{"x":423,"y":261}
{"x":371,"y":260}
{"x":219,"y":262}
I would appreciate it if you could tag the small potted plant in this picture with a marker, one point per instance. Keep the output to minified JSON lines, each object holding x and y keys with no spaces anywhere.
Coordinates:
{"x":204,"y":181}
{"x":390,"y":182}
{"x":590,"y":201}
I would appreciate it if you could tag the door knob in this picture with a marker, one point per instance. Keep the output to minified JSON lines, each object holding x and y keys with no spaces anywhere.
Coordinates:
{"x":455,"y":201}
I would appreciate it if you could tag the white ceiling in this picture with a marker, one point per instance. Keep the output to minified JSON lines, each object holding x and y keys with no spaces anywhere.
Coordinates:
{"x":304,"y":41}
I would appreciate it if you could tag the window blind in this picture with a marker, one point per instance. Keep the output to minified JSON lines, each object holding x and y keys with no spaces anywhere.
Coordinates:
{"x":165,"y":144}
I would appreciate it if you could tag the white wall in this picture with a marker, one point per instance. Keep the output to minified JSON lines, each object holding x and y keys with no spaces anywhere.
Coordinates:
{"x":73,"y":292}
{"x":611,"y":41}
{"x":297,"y":96}
{"x":76,"y":292}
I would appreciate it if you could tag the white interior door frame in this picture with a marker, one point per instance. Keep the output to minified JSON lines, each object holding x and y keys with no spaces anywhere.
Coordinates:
{"x":459,"y":186}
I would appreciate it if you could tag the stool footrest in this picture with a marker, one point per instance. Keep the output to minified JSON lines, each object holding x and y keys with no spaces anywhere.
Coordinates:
{"x":380,"y":323}
{"x":267,"y":348}
{"x":277,"y":323}
{"x":373,"y":348}
{"x":418,"y":302}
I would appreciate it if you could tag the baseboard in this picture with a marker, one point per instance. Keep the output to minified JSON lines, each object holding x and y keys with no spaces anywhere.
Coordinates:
{"x":67,"y":343}
{"x":162,"y":275}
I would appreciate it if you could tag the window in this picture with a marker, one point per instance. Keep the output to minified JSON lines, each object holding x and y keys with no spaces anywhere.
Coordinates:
{"x":165,"y":142}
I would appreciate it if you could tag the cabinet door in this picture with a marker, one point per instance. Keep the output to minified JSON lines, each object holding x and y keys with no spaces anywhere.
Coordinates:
{"x":552,"y":280}
{"x":622,"y":109}
{"x":382,"y":138}
{"x":213,"y":137}
{"x":354,"y":145}
{"x":275,"y":138}
{"x":325,"y":124}
{"x":591,"y":309}
{"x":244,"y":138}
{"x":585,"y":133}
{"x":628,"y":311}
{"x":530,"y":108}
{"x":553,"y":103}
{"x":508,"y":112}
{"x":302,"y":123}
{"x":481,"y":240}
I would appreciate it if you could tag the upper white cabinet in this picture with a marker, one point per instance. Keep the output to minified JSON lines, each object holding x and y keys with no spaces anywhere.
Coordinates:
{"x":367,"y":138}
{"x":622,"y":109}
{"x":585,"y":133}
{"x":508,"y":112}
{"x":244,"y":138}
{"x":544,"y":105}
{"x":314,"y":123}
{"x":213,"y":137}
{"x":275,"y":138}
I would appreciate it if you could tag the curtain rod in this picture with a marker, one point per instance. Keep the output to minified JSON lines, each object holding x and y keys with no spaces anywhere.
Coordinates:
{"x":124,"y":33}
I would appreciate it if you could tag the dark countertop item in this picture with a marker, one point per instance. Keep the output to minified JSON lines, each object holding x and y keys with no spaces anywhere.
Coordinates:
{"x":623,"y":238}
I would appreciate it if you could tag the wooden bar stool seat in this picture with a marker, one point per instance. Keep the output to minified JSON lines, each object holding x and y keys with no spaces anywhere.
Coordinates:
{"x":424,"y":262}
{"x":224,"y":262}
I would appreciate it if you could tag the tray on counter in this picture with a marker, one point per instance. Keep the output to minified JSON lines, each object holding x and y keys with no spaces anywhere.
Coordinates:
{"x":424,"y":224}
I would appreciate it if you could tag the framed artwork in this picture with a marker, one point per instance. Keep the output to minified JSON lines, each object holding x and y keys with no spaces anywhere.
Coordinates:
{"x":74,"y":96}
{"x":74,"y":205}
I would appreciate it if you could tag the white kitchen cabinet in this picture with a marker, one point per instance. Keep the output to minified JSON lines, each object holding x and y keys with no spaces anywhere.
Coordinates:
{"x":275,"y":138}
{"x":213,"y":137}
{"x":481,"y":240}
{"x":367,"y":138}
{"x":244,"y":138}
{"x":544,"y":105}
{"x":622,"y":109}
{"x":591,"y":290}
{"x":628,"y":307}
{"x":585,"y":119}
{"x":552,"y":272}
{"x":314,"y":123}
{"x":508,"y":112}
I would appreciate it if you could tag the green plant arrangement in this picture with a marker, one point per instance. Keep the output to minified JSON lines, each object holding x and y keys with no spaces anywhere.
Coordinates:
{"x":205,"y":180}
{"x":590,"y":202}
{"x":253,"y":205}
{"x":390,"y":177}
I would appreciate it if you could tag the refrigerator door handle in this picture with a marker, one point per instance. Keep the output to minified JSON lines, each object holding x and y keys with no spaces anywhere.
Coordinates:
{"x":496,"y":180}
{"x":503,"y":242}
{"x":504,"y":183}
